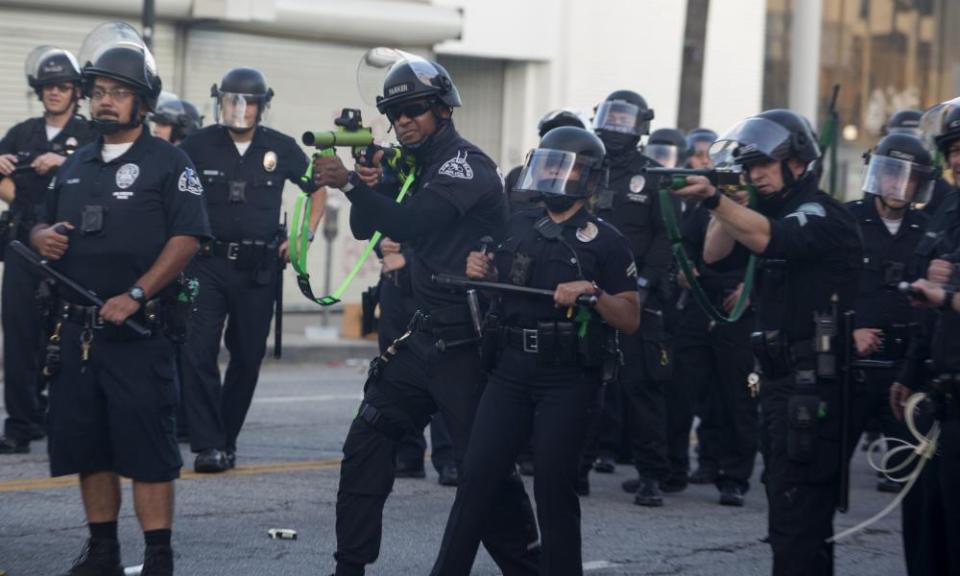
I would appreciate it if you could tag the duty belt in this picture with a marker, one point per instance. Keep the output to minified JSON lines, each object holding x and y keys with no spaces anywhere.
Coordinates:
{"x":89,"y":317}
{"x":233,"y":250}
{"x":525,"y":339}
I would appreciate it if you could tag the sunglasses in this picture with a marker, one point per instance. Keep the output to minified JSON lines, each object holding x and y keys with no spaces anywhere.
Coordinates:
{"x":411,"y":110}
{"x":64,"y":87}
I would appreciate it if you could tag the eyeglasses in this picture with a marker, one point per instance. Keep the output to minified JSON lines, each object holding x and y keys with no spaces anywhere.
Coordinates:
{"x":118,"y":94}
{"x":64,"y":87}
{"x":411,"y":110}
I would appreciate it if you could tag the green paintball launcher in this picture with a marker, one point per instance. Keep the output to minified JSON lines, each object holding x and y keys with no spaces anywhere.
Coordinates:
{"x":351,"y":133}
{"x":726,"y":180}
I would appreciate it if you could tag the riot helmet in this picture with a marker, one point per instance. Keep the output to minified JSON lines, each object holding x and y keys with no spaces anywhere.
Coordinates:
{"x":903,"y":121}
{"x":941,"y":123}
{"x":239,"y":88}
{"x":566,"y":166}
{"x":699,"y":141}
{"x":667,"y":146}
{"x":621,"y":120}
{"x":410,"y":77}
{"x":47,"y":65}
{"x":557,"y":118}
{"x":116,"y":51}
{"x":181,"y":116}
{"x":900,"y":169}
{"x":774,"y":135}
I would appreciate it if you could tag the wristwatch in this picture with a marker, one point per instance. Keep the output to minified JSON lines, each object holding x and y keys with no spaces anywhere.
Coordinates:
{"x":353,"y":180}
{"x":137,"y":294}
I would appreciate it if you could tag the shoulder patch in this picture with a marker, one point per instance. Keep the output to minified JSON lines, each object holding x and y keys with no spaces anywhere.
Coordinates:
{"x":189,"y":182}
{"x":457,"y":167}
{"x":808,"y":209}
{"x":812,"y":209}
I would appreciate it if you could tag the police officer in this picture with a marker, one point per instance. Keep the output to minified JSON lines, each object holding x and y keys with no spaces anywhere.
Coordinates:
{"x":634,"y":209}
{"x":30,"y":154}
{"x":546,"y":378}
{"x":932,"y":364}
{"x":396,"y":308}
{"x":900,"y":174}
{"x":698,"y":148}
{"x":174,"y":119}
{"x":713,"y":360}
{"x":518,"y":199}
{"x":667,"y":147}
{"x":243,"y":166}
{"x":811,"y":252}
{"x":457,"y":199}
{"x":132,"y":209}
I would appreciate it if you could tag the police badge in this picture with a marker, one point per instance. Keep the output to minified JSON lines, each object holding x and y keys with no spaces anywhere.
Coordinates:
{"x":270,"y":161}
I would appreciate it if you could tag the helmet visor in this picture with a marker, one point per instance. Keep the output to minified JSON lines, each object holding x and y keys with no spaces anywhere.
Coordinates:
{"x":552,"y":172}
{"x":241,"y":111}
{"x":897,"y":179}
{"x":618,"y":116}
{"x":665,"y":154}
{"x":41,"y":63}
{"x":750,"y":140}
{"x":112,"y":35}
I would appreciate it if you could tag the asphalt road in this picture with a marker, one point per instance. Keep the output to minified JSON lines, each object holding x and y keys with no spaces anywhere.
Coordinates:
{"x":287,"y":478}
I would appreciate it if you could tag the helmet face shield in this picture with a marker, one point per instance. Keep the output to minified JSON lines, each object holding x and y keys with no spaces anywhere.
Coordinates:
{"x":48,"y":64}
{"x":664,"y":154}
{"x":239,"y":111}
{"x":898,"y":180}
{"x":619,"y":116}
{"x":750,"y":141}
{"x":549,"y":172}
{"x":114,"y":35}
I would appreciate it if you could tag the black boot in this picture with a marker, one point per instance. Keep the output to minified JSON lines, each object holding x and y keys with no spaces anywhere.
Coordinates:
{"x":211,"y":461}
{"x":10,"y":445}
{"x":157,"y":561}
{"x":100,"y":557}
{"x":648,"y":493}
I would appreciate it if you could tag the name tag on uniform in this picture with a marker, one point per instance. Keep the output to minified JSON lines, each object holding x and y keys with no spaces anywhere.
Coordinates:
{"x":638,"y":197}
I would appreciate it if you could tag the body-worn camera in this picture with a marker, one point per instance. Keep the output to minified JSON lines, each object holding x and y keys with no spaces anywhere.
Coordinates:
{"x":92,"y":220}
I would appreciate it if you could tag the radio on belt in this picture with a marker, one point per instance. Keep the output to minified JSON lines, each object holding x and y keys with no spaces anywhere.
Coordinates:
{"x":282,"y":533}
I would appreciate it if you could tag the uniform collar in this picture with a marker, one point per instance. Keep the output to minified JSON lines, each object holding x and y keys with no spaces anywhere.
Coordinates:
{"x":438,"y":145}
{"x":579,"y":218}
{"x":255,"y":142}
{"x":93,"y":153}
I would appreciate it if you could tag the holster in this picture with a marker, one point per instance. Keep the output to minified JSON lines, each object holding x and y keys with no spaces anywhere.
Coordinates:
{"x":772,"y":353}
{"x":490,"y":342}
{"x":369,"y":301}
{"x":803,"y":408}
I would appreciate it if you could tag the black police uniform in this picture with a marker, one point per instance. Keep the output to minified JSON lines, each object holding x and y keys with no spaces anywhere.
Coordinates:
{"x":634,"y":209}
{"x":713,"y":360}
{"x":942,"y":191}
{"x":238,"y":275}
{"x":545,"y":383}
{"x":933,"y":366}
{"x":457,"y":199}
{"x":21,"y":315}
{"x":887,"y":262}
{"x":396,"y":309}
{"x":813,"y":256}
{"x":116,"y":410}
